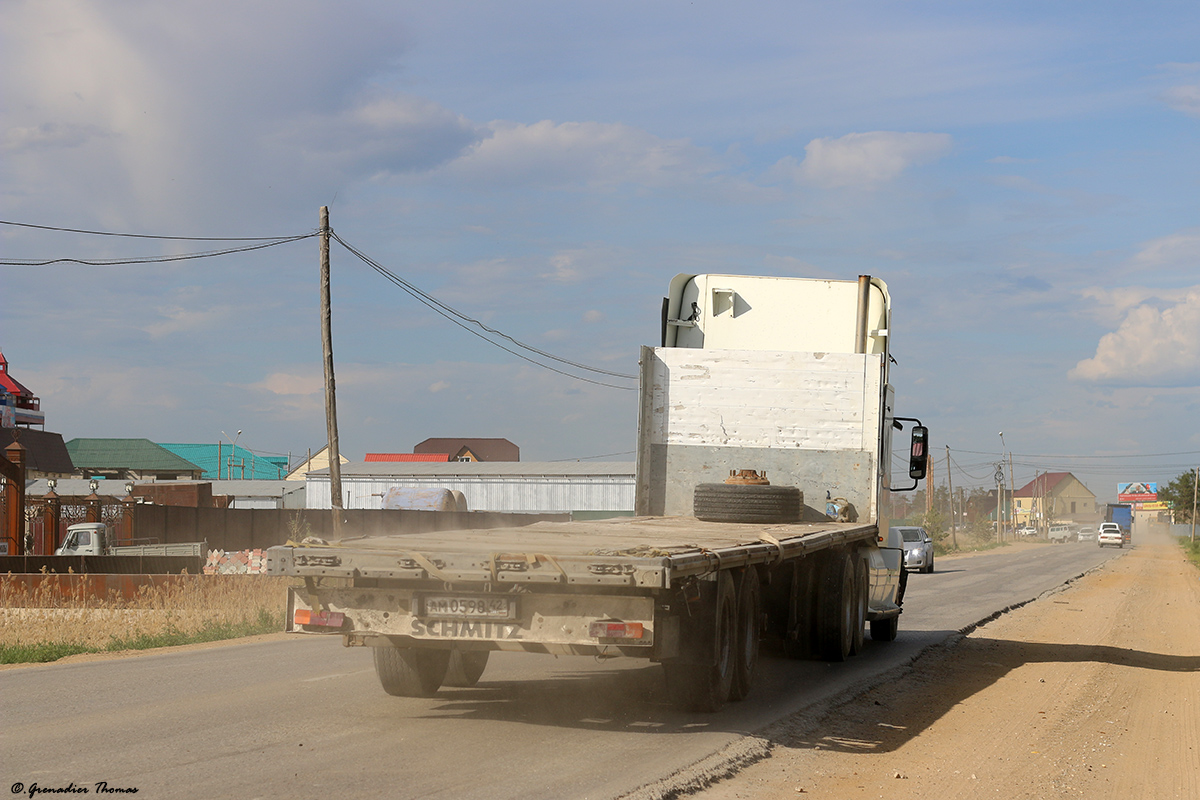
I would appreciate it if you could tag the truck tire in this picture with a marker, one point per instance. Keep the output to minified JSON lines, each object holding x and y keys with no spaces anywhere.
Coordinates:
{"x":861,"y":600}
{"x":724,"y":502}
{"x":749,"y":633}
{"x":706,"y":685}
{"x":466,"y":667}
{"x":410,"y":672}
{"x":885,"y":630}
{"x":836,"y":608}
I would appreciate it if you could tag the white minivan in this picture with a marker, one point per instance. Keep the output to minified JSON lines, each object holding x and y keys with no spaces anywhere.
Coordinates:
{"x":1059,"y":533}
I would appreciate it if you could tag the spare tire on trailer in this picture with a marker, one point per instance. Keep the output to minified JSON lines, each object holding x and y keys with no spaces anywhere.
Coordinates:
{"x":735,"y":502}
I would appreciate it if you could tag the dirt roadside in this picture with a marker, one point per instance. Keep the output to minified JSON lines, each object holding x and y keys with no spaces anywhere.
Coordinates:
{"x":1093,"y":691}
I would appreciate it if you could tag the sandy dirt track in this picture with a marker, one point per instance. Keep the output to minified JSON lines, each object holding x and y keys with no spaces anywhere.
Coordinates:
{"x":1093,"y":691}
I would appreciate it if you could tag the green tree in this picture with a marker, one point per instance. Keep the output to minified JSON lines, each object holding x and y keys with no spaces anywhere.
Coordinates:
{"x":934,"y":524}
{"x":1179,"y":492}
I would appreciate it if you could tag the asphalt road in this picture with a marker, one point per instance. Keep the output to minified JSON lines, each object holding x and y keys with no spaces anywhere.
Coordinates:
{"x":304,"y":717}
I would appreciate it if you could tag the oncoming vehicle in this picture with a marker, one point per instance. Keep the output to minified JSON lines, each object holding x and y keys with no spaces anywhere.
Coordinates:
{"x":1086,"y":534}
{"x":1059,"y":533}
{"x":1110,"y":533}
{"x":918,"y":549}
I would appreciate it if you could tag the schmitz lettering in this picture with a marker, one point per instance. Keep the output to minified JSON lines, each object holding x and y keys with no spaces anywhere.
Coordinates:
{"x":465,"y":629}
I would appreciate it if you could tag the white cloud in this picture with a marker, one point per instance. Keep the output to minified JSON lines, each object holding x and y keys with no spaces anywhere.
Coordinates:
{"x":1152,"y":347}
{"x":864,"y":160}
{"x":1180,"y":249}
{"x":50,"y":135}
{"x":289,"y":383}
{"x":177,"y":319}
{"x":1184,"y":98}
{"x":290,"y":395}
{"x":1111,"y":304}
{"x":565,"y":267}
{"x":590,"y":154}
{"x":388,"y":133}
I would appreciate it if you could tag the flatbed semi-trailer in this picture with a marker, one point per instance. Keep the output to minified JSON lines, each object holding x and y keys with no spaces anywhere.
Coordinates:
{"x":710,"y":567}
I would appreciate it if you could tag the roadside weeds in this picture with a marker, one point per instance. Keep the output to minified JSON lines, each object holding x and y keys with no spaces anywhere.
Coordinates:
{"x":42,"y":625}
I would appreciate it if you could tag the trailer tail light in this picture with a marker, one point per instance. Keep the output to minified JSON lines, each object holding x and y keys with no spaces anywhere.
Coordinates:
{"x":615,"y":630}
{"x":320,"y":619}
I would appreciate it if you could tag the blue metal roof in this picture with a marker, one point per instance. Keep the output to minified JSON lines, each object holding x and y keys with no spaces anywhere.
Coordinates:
{"x":235,"y":462}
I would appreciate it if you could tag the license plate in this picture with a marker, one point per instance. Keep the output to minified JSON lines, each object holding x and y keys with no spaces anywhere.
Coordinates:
{"x":458,"y":606}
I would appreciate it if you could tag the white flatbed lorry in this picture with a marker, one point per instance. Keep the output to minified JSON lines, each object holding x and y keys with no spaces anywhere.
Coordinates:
{"x":782,"y":376}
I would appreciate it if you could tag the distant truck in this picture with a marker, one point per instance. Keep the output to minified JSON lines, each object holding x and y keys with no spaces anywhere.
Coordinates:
{"x":95,"y":539}
{"x":1122,"y":514}
{"x":785,"y":378}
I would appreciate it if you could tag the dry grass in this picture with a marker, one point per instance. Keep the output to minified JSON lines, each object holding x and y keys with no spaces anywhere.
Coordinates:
{"x":45,"y":624}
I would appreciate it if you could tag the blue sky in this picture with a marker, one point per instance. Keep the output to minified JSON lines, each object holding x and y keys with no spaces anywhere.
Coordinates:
{"x":1023,"y":175}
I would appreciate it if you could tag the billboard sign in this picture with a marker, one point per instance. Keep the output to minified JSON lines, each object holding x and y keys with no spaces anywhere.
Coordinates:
{"x":1160,"y":505}
{"x":1137,"y":492}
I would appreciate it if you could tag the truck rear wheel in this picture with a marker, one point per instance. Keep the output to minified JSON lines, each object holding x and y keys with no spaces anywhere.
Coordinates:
{"x":705,"y":685}
{"x":749,"y":633}
{"x":466,"y":667}
{"x":862,"y":591}
{"x":732,"y":502}
{"x":837,"y":609}
{"x":410,"y":672}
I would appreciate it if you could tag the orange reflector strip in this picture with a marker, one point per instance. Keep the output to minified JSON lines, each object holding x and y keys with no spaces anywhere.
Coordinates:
{"x":615,"y":630}
{"x":322,"y":619}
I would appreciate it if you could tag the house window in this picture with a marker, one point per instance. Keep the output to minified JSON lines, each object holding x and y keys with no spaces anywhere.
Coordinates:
{"x":1072,"y":506}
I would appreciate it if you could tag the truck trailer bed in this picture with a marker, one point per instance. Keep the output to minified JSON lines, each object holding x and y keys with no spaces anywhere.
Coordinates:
{"x":649,"y":552}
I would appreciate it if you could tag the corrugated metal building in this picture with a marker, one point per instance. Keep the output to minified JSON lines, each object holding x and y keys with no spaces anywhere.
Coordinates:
{"x":521,"y":487}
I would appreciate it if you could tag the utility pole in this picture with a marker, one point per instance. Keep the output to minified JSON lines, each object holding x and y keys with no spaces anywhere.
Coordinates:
{"x":1195,"y":482}
{"x":950,"y":480}
{"x":1012,"y":490}
{"x":999,"y":498}
{"x":335,"y":464}
{"x":929,"y":488}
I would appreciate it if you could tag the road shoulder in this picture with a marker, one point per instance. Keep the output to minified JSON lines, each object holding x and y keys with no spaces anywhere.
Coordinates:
{"x":1090,"y":691}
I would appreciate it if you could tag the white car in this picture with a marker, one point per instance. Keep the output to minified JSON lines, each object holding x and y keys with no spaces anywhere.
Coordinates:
{"x":1087,"y":534}
{"x":1110,"y":533}
{"x":918,"y":548}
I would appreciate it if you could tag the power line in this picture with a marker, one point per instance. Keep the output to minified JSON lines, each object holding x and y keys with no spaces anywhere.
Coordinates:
{"x":588,"y":458}
{"x":111,"y":262}
{"x":1062,"y":457}
{"x":167,"y":238}
{"x":463,"y":321}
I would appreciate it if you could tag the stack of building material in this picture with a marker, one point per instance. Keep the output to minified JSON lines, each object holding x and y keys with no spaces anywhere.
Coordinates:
{"x":241,"y":562}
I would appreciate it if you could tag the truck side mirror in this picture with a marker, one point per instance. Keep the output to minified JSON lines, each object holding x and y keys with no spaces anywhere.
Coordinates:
{"x":918,"y":459}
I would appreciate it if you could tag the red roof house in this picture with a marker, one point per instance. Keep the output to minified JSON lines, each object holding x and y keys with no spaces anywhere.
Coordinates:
{"x":18,"y":405}
{"x":408,"y":457}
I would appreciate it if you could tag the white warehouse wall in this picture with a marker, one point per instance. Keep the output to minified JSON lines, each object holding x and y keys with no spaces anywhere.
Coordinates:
{"x":516,"y":487}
